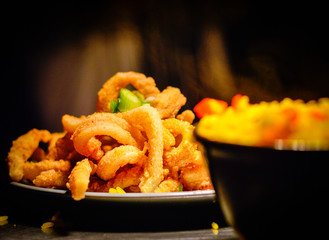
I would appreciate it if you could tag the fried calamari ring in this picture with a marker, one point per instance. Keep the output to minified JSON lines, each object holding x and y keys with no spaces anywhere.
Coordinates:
{"x":64,"y":148}
{"x":186,"y":152}
{"x":117,"y":119}
{"x":111,"y":88}
{"x":52,"y":149}
{"x":51,"y":178}
{"x":38,"y":155}
{"x":168,"y":139}
{"x":169,"y":102}
{"x":84,"y":140}
{"x":79,"y":178}
{"x":168,"y":185}
{"x":130,"y":177}
{"x":22,"y":149}
{"x":148,"y":118}
{"x":33,"y":169}
{"x":187,"y":116}
{"x":181,"y":156}
{"x":119,"y":157}
{"x":70,"y":123}
{"x":196,"y":177}
{"x":186,"y":157}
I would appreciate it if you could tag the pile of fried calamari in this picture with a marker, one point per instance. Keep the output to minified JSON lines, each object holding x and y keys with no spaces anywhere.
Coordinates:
{"x":146,"y":149}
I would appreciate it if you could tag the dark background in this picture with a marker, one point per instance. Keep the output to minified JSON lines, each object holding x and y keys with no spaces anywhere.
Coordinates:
{"x":56,"y":56}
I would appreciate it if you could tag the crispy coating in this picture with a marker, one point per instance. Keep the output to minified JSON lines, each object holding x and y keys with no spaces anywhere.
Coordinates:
{"x":22,"y":149}
{"x":38,"y":155}
{"x":119,"y":157}
{"x":65,"y":149}
{"x":85,"y":143}
{"x":79,"y":178}
{"x":179,"y":157}
{"x":149,"y":119}
{"x":185,"y":161}
{"x":196,"y":177}
{"x":168,"y":139}
{"x":184,"y":153}
{"x":111,"y":88}
{"x":168,"y":185}
{"x":146,"y":149}
{"x":169,"y":102}
{"x":187,"y":116}
{"x":70,"y":123}
{"x":117,"y":119}
{"x":52,"y":149}
{"x":128,"y":178}
{"x":33,"y":169}
{"x":51,"y":178}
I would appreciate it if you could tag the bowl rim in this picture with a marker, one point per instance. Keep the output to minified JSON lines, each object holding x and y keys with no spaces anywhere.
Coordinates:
{"x":225,"y":145}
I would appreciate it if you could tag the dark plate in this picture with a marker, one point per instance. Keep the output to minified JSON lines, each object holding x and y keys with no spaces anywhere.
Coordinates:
{"x":117,"y":212}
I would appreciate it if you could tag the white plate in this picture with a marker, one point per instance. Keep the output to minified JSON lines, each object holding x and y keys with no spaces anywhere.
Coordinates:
{"x":185,"y":196}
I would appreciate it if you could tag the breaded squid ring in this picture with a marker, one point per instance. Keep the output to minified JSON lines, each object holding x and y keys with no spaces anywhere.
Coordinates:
{"x":33,"y":169}
{"x":51,"y":178}
{"x":70,"y":123}
{"x":149,"y":119}
{"x":196,"y":177}
{"x":80,"y":177}
{"x":185,"y":152}
{"x":64,"y":148}
{"x":118,"y":157}
{"x":176,"y":127}
{"x":128,"y":178}
{"x":22,"y":149}
{"x":168,"y":139}
{"x":168,"y":185}
{"x":187,"y":116}
{"x":52,"y":148}
{"x":117,"y":119}
{"x":169,"y":102}
{"x":111,"y":88}
{"x":84,"y":137}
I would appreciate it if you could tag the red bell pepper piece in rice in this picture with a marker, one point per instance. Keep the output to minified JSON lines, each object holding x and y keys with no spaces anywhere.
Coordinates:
{"x":239,"y":101}
{"x":208,"y":106}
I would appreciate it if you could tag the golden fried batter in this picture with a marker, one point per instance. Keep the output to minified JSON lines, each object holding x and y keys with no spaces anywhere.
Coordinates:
{"x":187,"y":116}
{"x":80,"y":177}
{"x":168,"y":185}
{"x":196,"y":177}
{"x":149,"y":119}
{"x":146,"y":149}
{"x":33,"y":169}
{"x":130,"y":177}
{"x":169,"y":102}
{"x":51,"y":178}
{"x":111,"y":88}
{"x":119,"y":157}
{"x":86,"y":144}
{"x":22,"y":149}
{"x":70,"y":123}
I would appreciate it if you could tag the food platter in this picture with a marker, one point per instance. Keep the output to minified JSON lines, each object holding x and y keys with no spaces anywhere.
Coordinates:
{"x":140,"y":144}
{"x":185,"y":196}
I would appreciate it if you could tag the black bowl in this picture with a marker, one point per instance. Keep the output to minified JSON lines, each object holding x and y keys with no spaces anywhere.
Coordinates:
{"x":267,"y":193}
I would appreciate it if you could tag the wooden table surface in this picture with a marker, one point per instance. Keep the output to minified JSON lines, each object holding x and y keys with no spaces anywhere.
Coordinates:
{"x":20,"y":231}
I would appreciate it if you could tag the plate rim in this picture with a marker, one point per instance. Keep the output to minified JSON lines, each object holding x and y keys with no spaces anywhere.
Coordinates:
{"x":185,"y":195}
